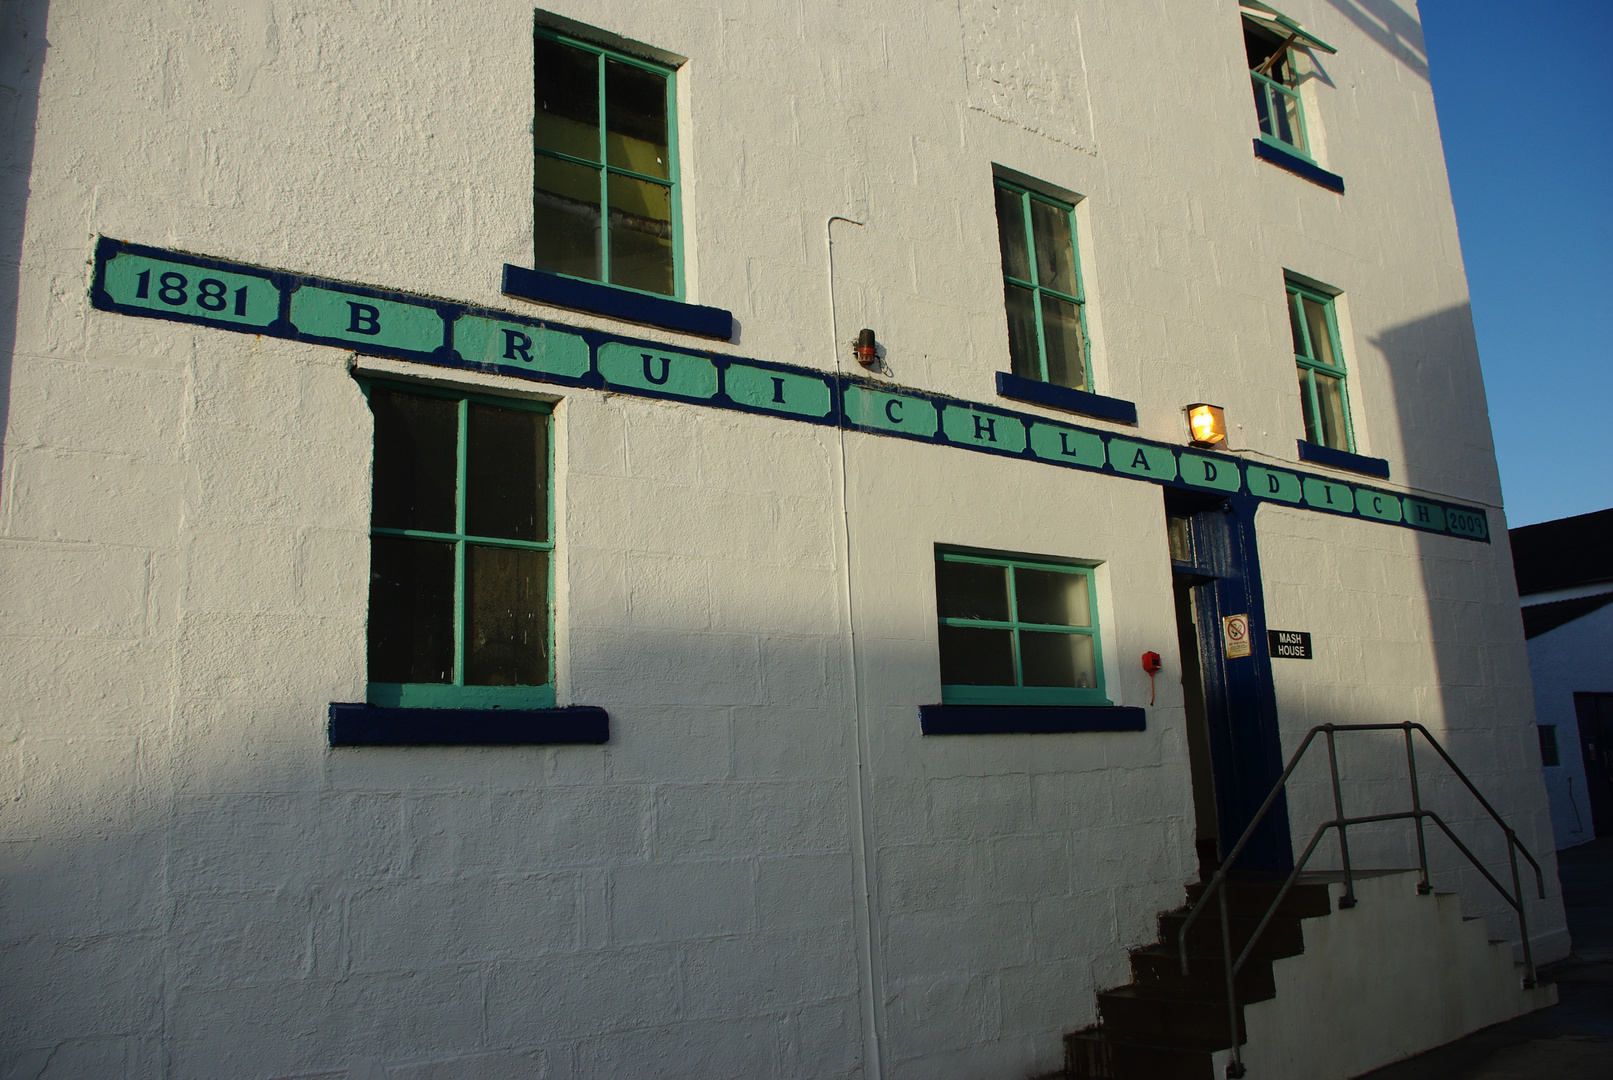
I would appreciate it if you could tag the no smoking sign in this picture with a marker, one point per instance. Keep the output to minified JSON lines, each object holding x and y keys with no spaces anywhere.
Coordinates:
{"x":1235,"y":632}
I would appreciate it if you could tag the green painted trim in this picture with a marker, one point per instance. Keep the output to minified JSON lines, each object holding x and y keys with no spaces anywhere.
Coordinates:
{"x":1056,"y":443}
{"x":444,"y":696}
{"x":1377,"y":505}
{"x":779,"y":392}
{"x":1026,"y":197}
{"x":1274,"y":484}
{"x":1209,"y":473}
{"x":665,"y":371}
{"x":1308,"y":363}
{"x":1020,"y":695}
{"x":896,"y":413}
{"x":1329,"y":495}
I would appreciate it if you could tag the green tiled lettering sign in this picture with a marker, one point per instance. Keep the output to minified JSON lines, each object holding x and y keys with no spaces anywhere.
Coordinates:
{"x":520,"y":346}
{"x":1328,"y":495}
{"x":1274,"y":484}
{"x":891,"y":412}
{"x":1469,"y":523}
{"x":365,"y":322}
{"x":660,"y":370}
{"x":1378,"y":505}
{"x":777,"y":391}
{"x":1217,"y":473}
{"x":1139,"y":459}
{"x":152,"y":283}
{"x":969,"y":427}
{"x":1066,"y":445}
{"x":1423,"y":515}
{"x":174,"y":288}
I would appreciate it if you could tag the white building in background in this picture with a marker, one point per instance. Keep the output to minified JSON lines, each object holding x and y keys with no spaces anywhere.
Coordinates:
{"x":1564,"y":571}
{"x":477,"y":604}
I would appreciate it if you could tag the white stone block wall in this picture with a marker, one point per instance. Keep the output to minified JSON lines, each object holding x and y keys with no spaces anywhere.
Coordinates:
{"x":767,"y":872}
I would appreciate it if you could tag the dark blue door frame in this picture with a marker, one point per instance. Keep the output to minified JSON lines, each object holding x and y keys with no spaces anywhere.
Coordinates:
{"x":1240,"y":699}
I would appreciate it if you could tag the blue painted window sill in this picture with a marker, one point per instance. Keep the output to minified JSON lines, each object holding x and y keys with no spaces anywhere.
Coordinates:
{"x":542,"y":287}
{"x":1027,"y":719}
{"x":1297,"y":165}
{"x":1063,"y":397}
{"x":371,"y":725}
{"x":1343,"y":459}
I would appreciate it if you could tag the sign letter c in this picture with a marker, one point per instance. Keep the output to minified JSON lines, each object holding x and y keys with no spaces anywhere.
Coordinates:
{"x":892,"y":407}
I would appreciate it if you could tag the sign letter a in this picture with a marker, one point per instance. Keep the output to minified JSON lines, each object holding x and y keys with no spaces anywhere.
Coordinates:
{"x":1140,"y":458}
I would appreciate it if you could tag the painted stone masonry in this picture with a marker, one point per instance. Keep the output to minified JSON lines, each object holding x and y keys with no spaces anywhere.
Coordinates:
{"x":469,"y":613}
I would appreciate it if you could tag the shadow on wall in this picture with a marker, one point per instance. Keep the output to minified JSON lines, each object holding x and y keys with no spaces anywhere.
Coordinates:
{"x":22,"y":56}
{"x":1400,"y":34}
{"x":1484,"y":715}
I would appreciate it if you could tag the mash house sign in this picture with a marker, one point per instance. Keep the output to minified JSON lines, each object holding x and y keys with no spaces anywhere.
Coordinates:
{"x":1289,"y":644}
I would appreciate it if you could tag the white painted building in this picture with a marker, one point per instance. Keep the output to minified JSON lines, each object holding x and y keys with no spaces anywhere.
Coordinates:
{"x":331,"y":447}
{"x":1564,"y":571}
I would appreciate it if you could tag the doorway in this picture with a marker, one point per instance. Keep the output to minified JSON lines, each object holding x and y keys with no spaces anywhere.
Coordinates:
{"x":1595,"y":713}
{"x":1234,"y":749}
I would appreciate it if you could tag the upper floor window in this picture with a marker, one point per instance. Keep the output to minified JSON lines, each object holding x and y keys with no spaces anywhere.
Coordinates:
{"x":1047,"y":337}
{"x":1269,"y":39}
{"x":605,"y":166}
{"x":1320,"y":359}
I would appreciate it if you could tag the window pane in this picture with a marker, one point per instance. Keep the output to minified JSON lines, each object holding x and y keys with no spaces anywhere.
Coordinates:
{"x":1011,"y":234}
{"x":1055,"y":248}
{"x":567,"y":114}
{"x":1057,"y":659}
{"x":1052,"y":598}
{"x":971,"y":590}
{"x":1061,"y":329}
{"x":507,"y":473}
{"x":1321,"y":339}
{"x":1312,"y":431}
{"x":1262,"y":106}
{"x":1294,"y":327}
{"x":971,"y":656}
{"x":411,"y":611}
{"x":416,"y":444}
{"x":506,"y":617}
{"x":635,"y":119}
{"x":640,"y":234}
{"x":566,"y":218}
{"x":1289,"y":128}
{"x":1330,"y":395}
{"x":1548,"y":745}
{"x":1023,"y":356}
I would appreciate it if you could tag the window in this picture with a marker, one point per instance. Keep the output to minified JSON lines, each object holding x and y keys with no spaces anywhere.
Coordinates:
{"x":1015,"y":630}
{"x":605,"y":166}
{"x":1047,"y":337}
{"x":1321,"y":368}
{"x":1548,"y":745}
{"x":460,"y":544}
{"x":1268,"y":40}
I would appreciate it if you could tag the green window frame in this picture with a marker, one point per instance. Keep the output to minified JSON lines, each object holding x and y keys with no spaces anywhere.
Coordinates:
{"x":1319,"y":355}
{"x":1269,"y":38}
{"x":1017,"y":630}
{"x":461,"y":608}
{"x":605,"y":166}
{"x":1047,"y":327}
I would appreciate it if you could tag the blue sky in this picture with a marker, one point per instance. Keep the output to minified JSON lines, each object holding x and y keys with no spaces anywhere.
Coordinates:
{"x":1525,"y":96}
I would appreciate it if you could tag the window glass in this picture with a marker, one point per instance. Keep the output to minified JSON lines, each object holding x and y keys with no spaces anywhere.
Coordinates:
{"x":1271,"y":72}
{"x":1014,"y":630}
{"x":413,"y":482}
{"x":1548,"y":745}
{"x":1047,"y":338}
{"x":604,"y":169}
{"x":566,"y":119}
{"x":460,"y":617}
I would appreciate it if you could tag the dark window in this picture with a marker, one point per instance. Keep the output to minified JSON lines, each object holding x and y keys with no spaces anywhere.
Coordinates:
{"x":1548,"y":745}
{"x":460,"y":546}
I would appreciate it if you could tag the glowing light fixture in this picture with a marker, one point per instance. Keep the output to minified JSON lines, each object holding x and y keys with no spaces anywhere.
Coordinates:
{"x":1207,"y":424}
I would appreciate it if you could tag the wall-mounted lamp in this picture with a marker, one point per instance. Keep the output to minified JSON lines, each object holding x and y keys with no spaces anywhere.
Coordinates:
{"x":866,"y":351}
{"x":1207,"y":424}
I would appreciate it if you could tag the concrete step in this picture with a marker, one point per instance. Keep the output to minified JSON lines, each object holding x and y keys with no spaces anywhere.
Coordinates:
{"x":1140,"y":1014}
{"x":1099,"y":1054}
{"x":1282,"y":936}
{"x":1159,"y":969}
{"x":1253,"y":898}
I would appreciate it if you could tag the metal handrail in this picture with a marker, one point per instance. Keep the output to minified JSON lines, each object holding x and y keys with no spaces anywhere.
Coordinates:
{"x":1341,"y":823}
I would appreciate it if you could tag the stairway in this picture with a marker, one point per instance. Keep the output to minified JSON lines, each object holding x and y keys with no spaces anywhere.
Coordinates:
{"x":1326,"y":995}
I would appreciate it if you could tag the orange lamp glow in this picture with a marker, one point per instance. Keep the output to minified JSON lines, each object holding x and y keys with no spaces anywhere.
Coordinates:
{"x":1207,"y":423}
